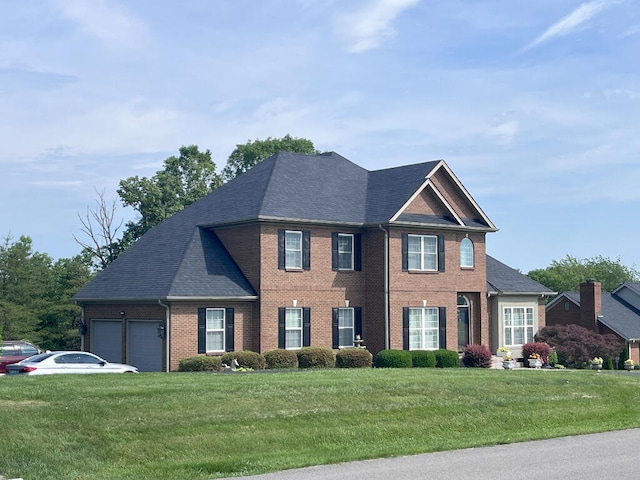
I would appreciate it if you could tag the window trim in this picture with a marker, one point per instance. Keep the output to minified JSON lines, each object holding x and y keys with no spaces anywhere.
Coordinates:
{"x":467,"y":244}
{"x":299,"y":234}
{"x":351,"y":253}
{"x":222,"y":330}
{"x":513,"y":327}
{"x":424,"y":330}
{"x":422,"y":253}
{"x":341,"y":327}
{"x":288,"y":329}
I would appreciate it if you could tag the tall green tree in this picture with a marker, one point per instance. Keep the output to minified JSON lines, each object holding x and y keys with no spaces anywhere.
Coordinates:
{"x":249,"y":154}
{"x":184,"y":179}
{"x":567,"y":274}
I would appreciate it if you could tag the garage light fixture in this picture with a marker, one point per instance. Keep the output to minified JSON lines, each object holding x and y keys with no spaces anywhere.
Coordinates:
{"x":161,"y":330}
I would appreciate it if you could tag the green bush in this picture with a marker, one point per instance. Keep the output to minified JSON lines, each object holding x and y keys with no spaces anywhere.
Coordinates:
{"x":201,"y":363}
{"x":316,"y":357}
{"x":394,"y":359}
{"x":281,"y":358}
{"x":246,"y":359}
{"x":553,"y":358}
{"x":354,"y":358}
{"x":447,"y":358}
{"x":423,"y":358}
{"x":624,"y":355}
{"x":476,"y":356}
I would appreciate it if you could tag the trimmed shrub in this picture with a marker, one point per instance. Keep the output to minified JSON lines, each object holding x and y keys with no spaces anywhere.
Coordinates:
{"x":624,"y":355}
{"x":447,"y":358}
{"x":201,"y":363}
{"x":281,"y":358}
{"x":423,"y":358}
{"x":394,"y":359}
{"x":607,"y":363}
{"x":475,"y":356}
{"x":354,"y":358}
{"x":576,"y":345}
{"x":540,"y":348}
{"x":246,"y":359}
{"x":316,"y":357}
{"x":553,"y":358}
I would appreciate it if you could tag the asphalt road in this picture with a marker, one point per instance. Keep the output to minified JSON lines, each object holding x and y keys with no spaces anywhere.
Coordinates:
{"x":602,"y":456}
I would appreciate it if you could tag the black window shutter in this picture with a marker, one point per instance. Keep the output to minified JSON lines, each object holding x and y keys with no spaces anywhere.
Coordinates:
{"x":443,"y":327}
{"x":405,"y":328}
{"x":306,"y":327}
{"x":357,"y":255}
{"x":405,"y":252}
{"x":334,"y":250}
{"x":358,"y":321}
{"x":306,"y":250}
{"x":441,"y":253}
{"x":281,"y":255}
{"x":281,"y":328}
{"x":335,"y":334}
{"x":202,"y":330}
{"x":228,"y":340}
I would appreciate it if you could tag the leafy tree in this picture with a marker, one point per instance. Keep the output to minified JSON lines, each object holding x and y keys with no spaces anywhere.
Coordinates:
{"x":567,"y":274}
{"x":251,"y":153}
{"x":184,"y":180}
{"x":576,"y":345}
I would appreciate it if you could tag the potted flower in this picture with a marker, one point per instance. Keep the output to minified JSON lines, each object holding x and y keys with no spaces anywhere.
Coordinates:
{"x":628,"y":365}
{"x":503,"y":351}
{"x":534,"y":360}
{"x":508,"y":363}
{"x":596,"y":363}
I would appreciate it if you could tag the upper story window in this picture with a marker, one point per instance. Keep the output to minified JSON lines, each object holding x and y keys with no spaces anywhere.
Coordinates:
{"x":466,"y":253}
{"x":422,"y":252}
{"x":345,"y":249}
{"x":294,"y":249}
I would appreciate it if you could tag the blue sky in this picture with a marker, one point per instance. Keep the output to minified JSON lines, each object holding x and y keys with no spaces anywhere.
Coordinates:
{"x":534,"y":105}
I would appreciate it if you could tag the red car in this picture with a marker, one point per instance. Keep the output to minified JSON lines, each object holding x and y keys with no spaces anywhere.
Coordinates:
{"x":14,"y":351}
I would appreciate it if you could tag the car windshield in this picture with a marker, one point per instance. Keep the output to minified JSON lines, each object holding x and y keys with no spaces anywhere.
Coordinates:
{"x":37,"y":358}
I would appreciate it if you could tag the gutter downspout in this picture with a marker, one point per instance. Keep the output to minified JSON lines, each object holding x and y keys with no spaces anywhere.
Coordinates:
{"x":167,"y":334}
{"x":386,"y":287}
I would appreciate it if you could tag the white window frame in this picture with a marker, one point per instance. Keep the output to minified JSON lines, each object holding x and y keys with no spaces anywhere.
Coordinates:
{"x":210,"y":346}
{"x":511,"y":330}
{"x":343,"y":328}
{"x":423,"y":336}
{"x":418,"y":259}
{"x":292,"y":250}
{"x":345,"y":253}
{"x":466,"y":253}
{"x":289,"y":329}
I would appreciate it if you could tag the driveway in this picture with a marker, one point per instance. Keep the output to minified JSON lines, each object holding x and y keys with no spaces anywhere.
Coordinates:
{"x":586,"y":457}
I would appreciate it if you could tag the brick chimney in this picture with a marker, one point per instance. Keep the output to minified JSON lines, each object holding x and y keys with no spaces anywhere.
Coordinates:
{"x":590,"y":303}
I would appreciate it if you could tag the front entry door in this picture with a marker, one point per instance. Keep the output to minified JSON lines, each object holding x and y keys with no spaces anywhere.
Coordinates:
{"x":464,"y":316}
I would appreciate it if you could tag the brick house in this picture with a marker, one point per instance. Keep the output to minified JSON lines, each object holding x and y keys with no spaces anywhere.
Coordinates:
{"x":312,"y":250}
{"x":617,"y":312}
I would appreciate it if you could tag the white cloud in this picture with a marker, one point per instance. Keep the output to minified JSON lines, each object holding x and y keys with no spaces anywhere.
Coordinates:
{"x":367,"y":28}
{"x":570,"y":23}
{"x":111,"y":24}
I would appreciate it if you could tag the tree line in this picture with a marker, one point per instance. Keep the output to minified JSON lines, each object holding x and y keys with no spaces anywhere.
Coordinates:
{"x":36,"y":291}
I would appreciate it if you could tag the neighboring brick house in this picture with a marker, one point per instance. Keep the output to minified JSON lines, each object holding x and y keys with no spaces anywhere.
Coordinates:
{"x":617,"y":312}
{"x":310,"y":250}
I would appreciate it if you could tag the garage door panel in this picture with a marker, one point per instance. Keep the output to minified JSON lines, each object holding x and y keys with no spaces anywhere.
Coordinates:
{"x":106,"y":339}
{"x":144,"y":346}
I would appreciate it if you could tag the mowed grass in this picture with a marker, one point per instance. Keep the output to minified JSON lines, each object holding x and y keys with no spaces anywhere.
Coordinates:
{"x":201,"y":426}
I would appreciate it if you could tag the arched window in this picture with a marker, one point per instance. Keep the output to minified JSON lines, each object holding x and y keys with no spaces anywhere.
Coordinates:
{"x":466,"y":253}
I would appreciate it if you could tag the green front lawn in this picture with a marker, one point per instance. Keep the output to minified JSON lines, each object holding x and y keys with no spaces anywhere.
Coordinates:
{"x":200,"y":426}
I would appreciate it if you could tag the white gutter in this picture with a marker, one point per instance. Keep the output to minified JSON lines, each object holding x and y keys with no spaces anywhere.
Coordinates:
{"x":167,"y":334}
{"x":386,"y":287}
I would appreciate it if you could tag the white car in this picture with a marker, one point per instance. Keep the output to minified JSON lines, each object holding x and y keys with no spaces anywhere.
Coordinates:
{"x":66,"y":362}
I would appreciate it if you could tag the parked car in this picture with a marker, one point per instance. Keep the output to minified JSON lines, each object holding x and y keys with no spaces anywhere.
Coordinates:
{"x":67,"y":362}
{"x":13,"y":351}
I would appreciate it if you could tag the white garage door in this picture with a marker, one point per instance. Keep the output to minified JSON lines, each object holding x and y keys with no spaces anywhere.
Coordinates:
{"x":144,"y":346}
{"x":106,"y":339}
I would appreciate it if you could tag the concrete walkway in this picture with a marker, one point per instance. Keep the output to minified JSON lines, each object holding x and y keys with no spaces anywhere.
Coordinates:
{"x":610,"y":455}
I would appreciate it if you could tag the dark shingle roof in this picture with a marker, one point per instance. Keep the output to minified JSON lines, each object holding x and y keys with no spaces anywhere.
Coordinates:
{"x":504,"y":279}
{"x":180,"y":257}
